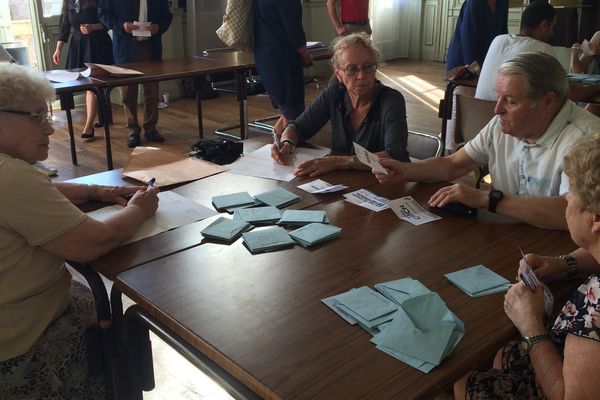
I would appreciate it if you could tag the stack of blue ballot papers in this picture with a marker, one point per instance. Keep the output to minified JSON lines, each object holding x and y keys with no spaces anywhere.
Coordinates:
{"x":422,"y":333}
{"x":401,"y":289}
{"x":315,"y":233}
{"x":278,"y":197}
{"x":226,"y":229}
{"x":364,"y":306}
{"x":258,"y":215}
{"x":303,"y":217}
{"x":229,"y":202}
{"x":266,"y":240}
{"x":478,"y":281}
{"x":584,"y":78}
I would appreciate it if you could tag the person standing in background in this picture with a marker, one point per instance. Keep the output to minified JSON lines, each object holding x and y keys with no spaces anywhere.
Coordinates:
{"x":353,"y":16}
{"x":280,"y":53}
{"x":479,"y":22}
{"x":131,"y":21}
{"x":90,"y":43}
{"x":537,"y":28}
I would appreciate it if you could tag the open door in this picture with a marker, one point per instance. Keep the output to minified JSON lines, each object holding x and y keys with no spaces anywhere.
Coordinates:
{"x":46,"y":17}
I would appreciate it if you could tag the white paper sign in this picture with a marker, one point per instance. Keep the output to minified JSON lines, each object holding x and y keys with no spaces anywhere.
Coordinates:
{"x":141,"y":29}
{"x":407,"y":209}
{"x":366,"y":199}
{"x":318,"y":186}
{"x":366,"y":157}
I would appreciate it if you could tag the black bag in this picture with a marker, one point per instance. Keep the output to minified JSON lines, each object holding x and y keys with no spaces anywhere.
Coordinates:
{"x":218,"y":151}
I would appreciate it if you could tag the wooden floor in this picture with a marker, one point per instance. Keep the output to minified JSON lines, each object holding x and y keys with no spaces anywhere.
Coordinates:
{"x":421,"y":83}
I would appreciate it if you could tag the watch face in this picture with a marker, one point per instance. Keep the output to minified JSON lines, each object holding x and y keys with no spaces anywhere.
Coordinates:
{"x":496,"y":194}
{"x":525,"y":344}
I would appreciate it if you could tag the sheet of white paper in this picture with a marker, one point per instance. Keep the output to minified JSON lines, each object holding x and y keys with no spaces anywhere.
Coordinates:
{"x":112,"y":69}
{"x":62,"y":76}
{"x":259,"y":163}
{"x":366,"y":199}
{"x":173,"y":211}
{"x":319,"y":186}
{"x":139,"y":29}
{"x":409,"y":210}
{"x":366,"y":157}
{"x":315,"y":45}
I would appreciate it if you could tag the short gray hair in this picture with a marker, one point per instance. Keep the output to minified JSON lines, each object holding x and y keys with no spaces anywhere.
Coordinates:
{"x":20,"y":86}
{"x":341,"y":43}
{"x":542,"y":73}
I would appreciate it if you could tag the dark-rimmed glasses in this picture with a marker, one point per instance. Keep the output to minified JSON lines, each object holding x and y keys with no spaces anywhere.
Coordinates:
{"x":353,"y":70}
{"x":43,"y":117}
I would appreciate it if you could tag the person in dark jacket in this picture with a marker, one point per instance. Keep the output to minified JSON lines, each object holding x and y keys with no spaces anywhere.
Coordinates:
{"x":130,"y":21}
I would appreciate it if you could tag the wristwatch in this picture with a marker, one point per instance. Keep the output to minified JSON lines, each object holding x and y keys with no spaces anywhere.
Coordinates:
{"x":494,"y":198}
{"x":527,"y":342}
{"x":572,"y":265}
{"x":292,"y":144}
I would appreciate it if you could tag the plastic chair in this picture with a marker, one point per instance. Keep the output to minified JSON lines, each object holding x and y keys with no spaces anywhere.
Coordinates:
{"x":422,"y":145}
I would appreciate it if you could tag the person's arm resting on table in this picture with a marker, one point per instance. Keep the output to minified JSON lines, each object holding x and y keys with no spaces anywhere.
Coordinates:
{"x":91,"y":239}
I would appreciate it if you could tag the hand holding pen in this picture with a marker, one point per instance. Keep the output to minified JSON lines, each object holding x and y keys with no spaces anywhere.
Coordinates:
{"x":146,"y":200}
{"x":281,"y":151}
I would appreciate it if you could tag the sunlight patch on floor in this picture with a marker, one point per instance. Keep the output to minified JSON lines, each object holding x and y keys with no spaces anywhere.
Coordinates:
{"x":422,"y":90}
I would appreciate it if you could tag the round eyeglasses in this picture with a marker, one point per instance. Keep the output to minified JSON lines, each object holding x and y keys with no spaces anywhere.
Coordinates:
{"x":43,"y":117}
{"x":353,"y":70}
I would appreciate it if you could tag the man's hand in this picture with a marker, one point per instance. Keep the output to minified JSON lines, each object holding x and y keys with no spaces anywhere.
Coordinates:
{"x":128,"y":27}
{"x":153,"y":28}
{"x":86,"y":29}
{"x":459,"y":193}
{"x":283,"y":155}
{"x":394,"y":169}
{"x":341,"y":30}
{"x":112,"y":194}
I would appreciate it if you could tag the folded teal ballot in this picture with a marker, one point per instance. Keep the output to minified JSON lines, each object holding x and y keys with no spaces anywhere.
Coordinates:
{"x":233,"y":200}
{"x":422,"y":333}
{"x":401,"y":289}
{"x":366,"y":306}
{"x":265,"y":240}
{"x":478,"y":281}
{"x":303,"y":217}
{"x":258,"y":215}
{"x":278,"y":197}
{"x":225,"y":229}
{"x":315,"y":233}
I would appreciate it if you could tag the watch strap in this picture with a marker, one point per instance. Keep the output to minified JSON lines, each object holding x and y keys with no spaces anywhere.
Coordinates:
{"x":572,"y":265}
{"x":494,"y":198}
{"x":530,"y":341}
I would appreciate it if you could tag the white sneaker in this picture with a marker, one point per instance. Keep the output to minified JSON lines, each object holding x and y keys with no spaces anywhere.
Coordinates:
{"x":50,"y":171}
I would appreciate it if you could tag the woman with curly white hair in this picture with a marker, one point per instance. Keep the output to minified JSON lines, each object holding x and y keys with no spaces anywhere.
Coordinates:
{"x":561,"y":361}
{"x":44,"y":314}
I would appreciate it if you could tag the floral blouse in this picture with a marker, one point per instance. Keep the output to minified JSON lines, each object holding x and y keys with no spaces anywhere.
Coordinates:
{"x":581,"y":313}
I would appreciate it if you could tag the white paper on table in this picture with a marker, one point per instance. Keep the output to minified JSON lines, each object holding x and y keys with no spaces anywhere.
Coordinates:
{"x":64,"y":76}
{"x":315,"y":45}
{"x":585,"y":48}
{"x":173,"y":211}
{"x":366,"y":157}
{"x":259,"y":163}
{"x":318,"y":186}
{"x":141,"y":29}
{"x":366,"y":199}
{"x":407,"y":209}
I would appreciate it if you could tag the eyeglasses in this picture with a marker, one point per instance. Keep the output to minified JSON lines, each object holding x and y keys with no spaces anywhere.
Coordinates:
{"x":43,"y":117}
{"x":353,"y":70}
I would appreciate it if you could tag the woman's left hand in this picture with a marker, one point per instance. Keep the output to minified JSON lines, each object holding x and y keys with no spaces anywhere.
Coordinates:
{"x":86,"y":29}
{"x":525,"y":308}
{"x":112,"y":194}
{"x":317,"y":166}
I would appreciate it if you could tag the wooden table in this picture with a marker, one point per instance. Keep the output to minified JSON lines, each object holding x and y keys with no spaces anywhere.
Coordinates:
{"x":260,"y":318}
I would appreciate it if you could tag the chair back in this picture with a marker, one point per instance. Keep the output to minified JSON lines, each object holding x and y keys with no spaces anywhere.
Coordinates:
{"x":472,"y":115}
{"x":421,"y":145}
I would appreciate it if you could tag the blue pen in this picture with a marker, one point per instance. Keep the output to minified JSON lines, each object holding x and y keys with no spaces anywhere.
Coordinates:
{"x":151,"y":184}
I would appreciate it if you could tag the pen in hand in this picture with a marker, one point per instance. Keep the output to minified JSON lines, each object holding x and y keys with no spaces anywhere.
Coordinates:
{"x":151,"y":183}
{"x":276,"y":140}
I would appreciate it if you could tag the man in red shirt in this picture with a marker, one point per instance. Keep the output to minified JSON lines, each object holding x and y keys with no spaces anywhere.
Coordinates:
{"x":354,"y":16}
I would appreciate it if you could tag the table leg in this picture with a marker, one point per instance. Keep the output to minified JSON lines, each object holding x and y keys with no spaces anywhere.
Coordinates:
{"x":105,"y":111}
{"x":242,"y":97}
{"x":197,"y":83}
{"x":67,"y":104}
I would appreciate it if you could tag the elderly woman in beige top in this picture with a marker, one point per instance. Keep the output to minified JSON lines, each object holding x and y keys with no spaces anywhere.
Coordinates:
{"x":43,"y":313}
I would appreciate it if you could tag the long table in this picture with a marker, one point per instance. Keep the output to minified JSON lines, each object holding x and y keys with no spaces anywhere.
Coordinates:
{"x":235,"y":62}
{"x":260,"y":318}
